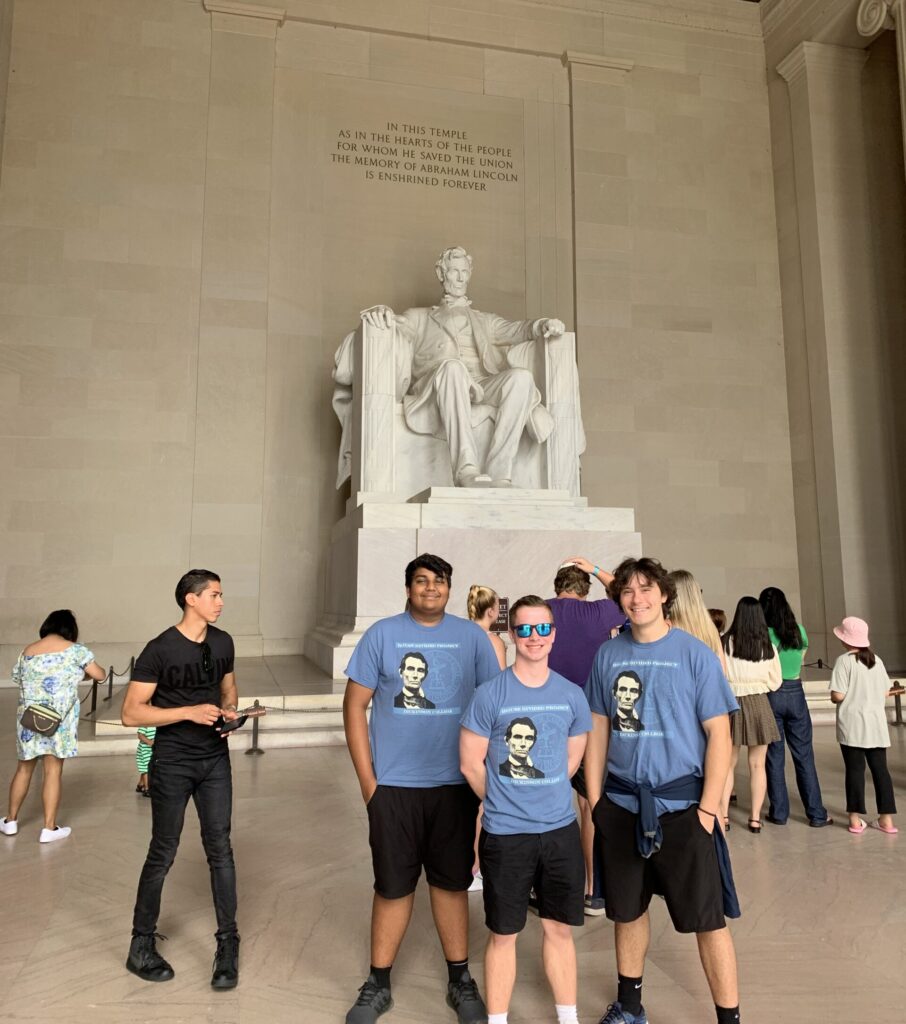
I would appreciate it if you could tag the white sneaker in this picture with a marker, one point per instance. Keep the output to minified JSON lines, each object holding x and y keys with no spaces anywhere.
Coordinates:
{"x":477,"y":883}
{"x":51,"y":835}
{"x":8,"y":828}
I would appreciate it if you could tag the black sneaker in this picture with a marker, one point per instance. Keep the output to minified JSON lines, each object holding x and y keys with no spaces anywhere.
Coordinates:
{"x":372,"y":1002}
{"x":145,"y":961}
{"x":463,"y":997}
{"x":226,"y":962}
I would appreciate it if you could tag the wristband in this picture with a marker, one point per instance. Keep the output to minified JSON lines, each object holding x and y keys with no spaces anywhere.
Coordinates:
{"x":710,"y":813}
{"x":595,"y":571}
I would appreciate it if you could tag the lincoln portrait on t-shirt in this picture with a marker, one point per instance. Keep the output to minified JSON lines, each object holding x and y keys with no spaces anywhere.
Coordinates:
{"x":627,"y":689}
{"x":413,"y":671}
{"x":520,"y":738}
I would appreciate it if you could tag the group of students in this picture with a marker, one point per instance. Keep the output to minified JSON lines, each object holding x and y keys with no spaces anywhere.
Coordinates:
{"x":653,"y":727}
{"x":652,"y":733}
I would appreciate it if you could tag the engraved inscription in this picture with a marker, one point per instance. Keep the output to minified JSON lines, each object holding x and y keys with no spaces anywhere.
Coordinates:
{"x":425,"y":154}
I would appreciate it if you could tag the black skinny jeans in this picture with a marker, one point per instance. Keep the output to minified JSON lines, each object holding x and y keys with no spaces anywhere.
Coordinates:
{"x":854,"y":759}
{"x":209,"y":783}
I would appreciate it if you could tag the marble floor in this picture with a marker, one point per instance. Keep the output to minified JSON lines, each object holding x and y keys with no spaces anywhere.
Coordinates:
{"x":822,"y":936}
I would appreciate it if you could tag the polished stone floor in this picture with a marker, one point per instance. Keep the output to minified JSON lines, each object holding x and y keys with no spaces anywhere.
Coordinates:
{"x":822,"y":937}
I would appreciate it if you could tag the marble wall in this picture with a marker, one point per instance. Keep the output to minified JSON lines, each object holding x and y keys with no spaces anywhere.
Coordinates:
{"x":184,"y":246}
{"x":838,"y":167}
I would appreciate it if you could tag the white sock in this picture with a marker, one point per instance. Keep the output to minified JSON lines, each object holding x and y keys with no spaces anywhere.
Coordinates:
{"x":565,"y":1014}
{"x":497,"y":1018}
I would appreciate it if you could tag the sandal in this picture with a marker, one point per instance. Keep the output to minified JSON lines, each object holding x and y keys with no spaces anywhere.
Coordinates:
{"x":892,"y":831}
{"x":857,"y":830}
{"x":754,"y":825}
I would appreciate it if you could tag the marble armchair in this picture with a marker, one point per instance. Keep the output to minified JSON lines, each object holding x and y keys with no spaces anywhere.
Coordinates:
{"x":383,"y":456}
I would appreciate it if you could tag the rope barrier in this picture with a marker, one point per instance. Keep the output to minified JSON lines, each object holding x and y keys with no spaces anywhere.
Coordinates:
{"x":108,"y":679}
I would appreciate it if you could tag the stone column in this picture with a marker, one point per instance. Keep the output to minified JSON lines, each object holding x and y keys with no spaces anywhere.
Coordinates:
{"x":872,"y":18}
{"x":848,"y":387}
{"x":232,"y":344}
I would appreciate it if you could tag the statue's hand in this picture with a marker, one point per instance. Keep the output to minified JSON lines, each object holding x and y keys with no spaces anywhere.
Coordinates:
{"x":552,"y":328}
{"x":381,"y":317}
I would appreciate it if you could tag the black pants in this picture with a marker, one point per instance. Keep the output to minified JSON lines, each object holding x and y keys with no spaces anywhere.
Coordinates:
{"x":854,"y":759}
{"x":209,"y":783}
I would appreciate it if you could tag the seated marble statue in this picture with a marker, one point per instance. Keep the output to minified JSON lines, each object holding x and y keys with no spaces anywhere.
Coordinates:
{"x":458,"y":367}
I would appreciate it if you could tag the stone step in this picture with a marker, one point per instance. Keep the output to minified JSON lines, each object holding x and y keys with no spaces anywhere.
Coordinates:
{"x":307,"y":710}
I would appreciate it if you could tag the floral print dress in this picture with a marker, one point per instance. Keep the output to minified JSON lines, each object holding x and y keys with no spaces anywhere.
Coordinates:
{"x":53,"y":680}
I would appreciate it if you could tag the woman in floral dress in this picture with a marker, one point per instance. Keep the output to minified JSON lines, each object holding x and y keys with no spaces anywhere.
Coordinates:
{"x":48,"y":672}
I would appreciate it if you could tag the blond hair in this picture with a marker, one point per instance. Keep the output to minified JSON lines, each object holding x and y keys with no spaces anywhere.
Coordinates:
{"x":480,"y":599}
{"x":689,"y":613}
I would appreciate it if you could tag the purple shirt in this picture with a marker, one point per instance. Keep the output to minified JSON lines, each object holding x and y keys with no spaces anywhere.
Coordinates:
{"x":582,"y":626}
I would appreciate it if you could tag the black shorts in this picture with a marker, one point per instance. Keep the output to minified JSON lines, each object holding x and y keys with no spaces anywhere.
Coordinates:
{"x":409,"y":828}
{"x":551,"y":863}
{"x":684,"y":871}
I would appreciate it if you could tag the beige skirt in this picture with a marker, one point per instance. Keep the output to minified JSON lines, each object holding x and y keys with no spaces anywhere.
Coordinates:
{"x":754,"y":724}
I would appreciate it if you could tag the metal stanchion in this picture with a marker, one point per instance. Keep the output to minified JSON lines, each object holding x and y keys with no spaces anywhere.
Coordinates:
{"x":109,"y":685}
{"x":254,"y":748}
{"x":94,"y":696}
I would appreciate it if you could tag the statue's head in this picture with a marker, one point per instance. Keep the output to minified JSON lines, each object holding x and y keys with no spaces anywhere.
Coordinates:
{"x":453,"y":269}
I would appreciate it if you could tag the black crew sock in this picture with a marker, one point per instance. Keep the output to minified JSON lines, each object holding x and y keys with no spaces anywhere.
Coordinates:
{"x":727,"y":1014}
{"x":382,"y":975}
{"x":456,"y":969}
{"x":629,"y":994}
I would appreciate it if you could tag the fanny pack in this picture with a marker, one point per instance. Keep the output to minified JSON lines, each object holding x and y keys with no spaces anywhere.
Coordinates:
{"x":43,"y":719}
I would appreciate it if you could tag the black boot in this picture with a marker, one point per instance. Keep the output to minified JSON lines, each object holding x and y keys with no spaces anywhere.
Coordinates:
{"x":145,"y":961}
{"x":226,"y":962}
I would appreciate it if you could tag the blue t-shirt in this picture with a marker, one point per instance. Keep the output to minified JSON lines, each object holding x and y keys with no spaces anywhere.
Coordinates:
{"x":528,"y":787}
{"x":423,"y":678}
{"x":656,"y":696}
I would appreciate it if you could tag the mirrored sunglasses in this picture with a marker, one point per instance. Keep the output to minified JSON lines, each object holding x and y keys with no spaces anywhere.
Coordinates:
{"x":541,"y":628}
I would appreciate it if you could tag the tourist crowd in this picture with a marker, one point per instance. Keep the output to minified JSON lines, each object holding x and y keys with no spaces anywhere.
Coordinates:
{"x":593,"y":772}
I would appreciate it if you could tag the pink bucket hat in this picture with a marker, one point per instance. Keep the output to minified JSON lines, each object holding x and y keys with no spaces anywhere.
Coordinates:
{"x":852,"y":631}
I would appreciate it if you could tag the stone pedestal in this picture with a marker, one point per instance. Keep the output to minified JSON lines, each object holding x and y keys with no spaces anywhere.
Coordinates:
{"x":510,"y":539}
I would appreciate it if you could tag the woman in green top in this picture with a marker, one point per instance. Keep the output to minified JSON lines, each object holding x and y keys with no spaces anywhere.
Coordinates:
{"x":792,"y":715}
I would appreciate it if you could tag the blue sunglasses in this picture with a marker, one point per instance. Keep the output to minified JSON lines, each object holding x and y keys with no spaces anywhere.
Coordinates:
{"x":525,"y":631}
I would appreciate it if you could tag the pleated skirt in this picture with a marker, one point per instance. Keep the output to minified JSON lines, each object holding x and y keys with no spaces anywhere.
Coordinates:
{"x":754,"y":723}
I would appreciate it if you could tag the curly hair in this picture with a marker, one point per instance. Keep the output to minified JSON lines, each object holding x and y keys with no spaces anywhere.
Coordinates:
{"x":650,"y":570}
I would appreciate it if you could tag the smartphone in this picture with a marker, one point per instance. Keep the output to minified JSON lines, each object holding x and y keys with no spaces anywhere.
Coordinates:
{"x":222,"y":725}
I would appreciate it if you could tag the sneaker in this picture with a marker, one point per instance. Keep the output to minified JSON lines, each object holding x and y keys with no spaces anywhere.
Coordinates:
{"x":463,"y":997}
{"x":617,"y":1015}
{"x":226,"y":962}
{"x":477,"y":882}
{"x":821,"y":822}
{"x":8,"y":828}
{"x":594,"y":906}
{"x":145,"y":961}
{"x":51,"y":835}
{"x":372,"y":1002}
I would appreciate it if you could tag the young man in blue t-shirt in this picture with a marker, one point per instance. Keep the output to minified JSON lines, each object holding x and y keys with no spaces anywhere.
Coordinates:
{"x":418,"y":671}
{"x":660,"y":705}
{"x":522,"y":738}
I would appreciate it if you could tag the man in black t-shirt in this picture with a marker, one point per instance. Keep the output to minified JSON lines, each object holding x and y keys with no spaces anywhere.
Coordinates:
{"x":183,"y":683}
